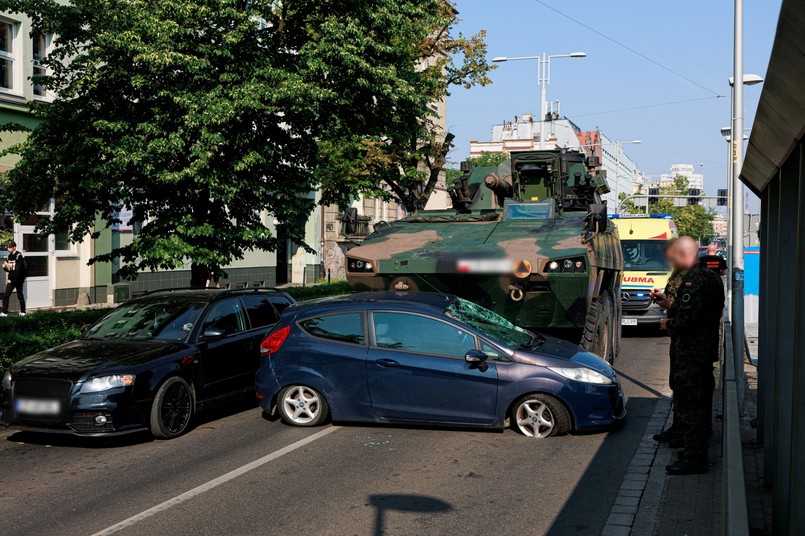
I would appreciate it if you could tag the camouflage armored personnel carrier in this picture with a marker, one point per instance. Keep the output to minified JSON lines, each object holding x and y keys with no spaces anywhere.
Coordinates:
{"x":529,"y":239}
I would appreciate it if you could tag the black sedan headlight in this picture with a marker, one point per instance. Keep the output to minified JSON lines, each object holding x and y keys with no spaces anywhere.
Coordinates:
{"x":566,"y":266}
{"x":7,"y":381}
{"x":359,"y":266}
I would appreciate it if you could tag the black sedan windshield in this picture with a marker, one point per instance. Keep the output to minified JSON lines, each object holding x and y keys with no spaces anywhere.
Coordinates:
{"x":157,"y":320}
{"x":491,"y":323}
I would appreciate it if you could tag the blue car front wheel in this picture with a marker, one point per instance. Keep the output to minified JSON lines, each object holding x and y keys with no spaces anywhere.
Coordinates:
{"x":300,"y":405}
{"x":540,"y":416}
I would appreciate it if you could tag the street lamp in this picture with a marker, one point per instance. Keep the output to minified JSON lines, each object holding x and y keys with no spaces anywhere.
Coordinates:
{"x":544,"y":80}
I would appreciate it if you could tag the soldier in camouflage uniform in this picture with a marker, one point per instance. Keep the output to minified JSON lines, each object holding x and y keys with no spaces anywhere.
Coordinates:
{"x":674,"y":434}
{"x":694,"y":321}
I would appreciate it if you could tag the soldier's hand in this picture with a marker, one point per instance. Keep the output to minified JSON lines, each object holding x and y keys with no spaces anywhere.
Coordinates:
{"x":664,"y":324}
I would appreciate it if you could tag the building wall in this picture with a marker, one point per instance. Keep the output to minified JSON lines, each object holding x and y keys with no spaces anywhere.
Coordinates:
{"x":695,"y":180}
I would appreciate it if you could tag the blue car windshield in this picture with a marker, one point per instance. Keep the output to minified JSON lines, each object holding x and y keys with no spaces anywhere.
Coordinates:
{"x":492,"y":324}
{"x":151,"y":320}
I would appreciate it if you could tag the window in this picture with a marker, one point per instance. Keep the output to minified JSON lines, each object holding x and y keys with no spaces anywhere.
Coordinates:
{"x":280,"y":303}
{"x":347,"y":327}
{"x":155,"y":319}
{"x":227,"y":316}
{"x":63,"y":242}
{"x":260,"y":311}
{"x":421,"y":334}
{"x":40,"y":47}
{"x":8,"y":31}
{"x":491,"y":352}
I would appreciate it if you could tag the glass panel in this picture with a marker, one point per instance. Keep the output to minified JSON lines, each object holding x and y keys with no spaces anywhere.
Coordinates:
{"x":6,"y":73}
{"x":491,"y":323}
{"x":34,"y":243}
{"x":260,"y":311}
{"x":421,"y":334}
{"x":644,"y":254}
{"x":491,"y":352}
{"x":6,"y":37}
{"x":163,"y":320}
{"x":280,"y":303}
{"x":37,"y":266}
{"x":343,"y":328}
{"x":227,"y":316}
{"x":63,"y":242}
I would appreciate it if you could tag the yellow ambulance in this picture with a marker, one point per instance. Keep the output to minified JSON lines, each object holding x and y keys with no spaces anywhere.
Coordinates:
{"x":643,"y":240}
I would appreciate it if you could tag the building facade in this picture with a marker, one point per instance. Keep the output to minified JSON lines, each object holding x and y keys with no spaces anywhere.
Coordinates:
{"x":695,"y":180}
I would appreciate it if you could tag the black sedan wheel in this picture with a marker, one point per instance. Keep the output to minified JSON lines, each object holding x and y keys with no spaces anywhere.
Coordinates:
{"x":172,"y":409}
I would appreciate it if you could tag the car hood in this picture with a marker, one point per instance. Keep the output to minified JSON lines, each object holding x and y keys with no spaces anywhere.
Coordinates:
{"x":555,"y":352}
{"x":83,"y":357}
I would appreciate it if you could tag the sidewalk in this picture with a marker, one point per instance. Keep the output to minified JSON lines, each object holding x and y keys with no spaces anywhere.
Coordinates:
{"x":692,"y":505}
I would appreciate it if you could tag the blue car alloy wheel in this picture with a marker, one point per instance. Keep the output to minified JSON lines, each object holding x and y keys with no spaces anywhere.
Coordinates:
{"x":302,"y":406}
{"x":540,"y":416}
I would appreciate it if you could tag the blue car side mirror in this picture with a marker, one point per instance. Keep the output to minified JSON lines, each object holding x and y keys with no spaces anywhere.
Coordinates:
{"x":475,"y":357}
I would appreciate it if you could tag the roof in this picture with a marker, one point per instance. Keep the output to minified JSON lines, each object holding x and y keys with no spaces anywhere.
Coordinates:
{"x":779,"y":123}
{"x":409,"y":300}
{"x":207,"y":294}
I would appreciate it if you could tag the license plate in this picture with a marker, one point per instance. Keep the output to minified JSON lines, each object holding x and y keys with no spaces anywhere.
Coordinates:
{"x":37,"y":407}
{"x":628,"y":321}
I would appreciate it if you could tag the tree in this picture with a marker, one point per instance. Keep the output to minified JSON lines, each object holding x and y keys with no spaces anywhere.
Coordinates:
{"x":411,"y":157}
{"x":691,"y":220}
{"x":488,"y":159}
{"x":202,"y":115}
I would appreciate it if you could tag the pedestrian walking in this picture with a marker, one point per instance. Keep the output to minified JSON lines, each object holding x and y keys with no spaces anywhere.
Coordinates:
{"x":16,"y":268}
{"x":713,"y":261}
{"x":198,"y":276}
{"x":673,"y":435}
{"x":215,"y":273}
{"x":694,"y":323}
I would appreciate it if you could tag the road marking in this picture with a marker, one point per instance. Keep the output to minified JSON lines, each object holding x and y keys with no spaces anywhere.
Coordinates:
{"x":187,"y":495}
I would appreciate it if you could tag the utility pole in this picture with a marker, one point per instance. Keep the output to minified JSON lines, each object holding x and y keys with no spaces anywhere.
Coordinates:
{"x":737,"y":208}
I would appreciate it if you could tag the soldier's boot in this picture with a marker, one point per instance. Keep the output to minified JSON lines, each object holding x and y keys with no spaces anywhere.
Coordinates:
{"x":668,"y":435}
{"x":689,"y":465}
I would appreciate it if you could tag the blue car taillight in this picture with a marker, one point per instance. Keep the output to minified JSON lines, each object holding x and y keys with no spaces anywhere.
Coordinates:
{"x":274,"y":341}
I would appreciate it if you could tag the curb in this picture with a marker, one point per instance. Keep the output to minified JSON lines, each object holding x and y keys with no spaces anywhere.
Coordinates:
{"x":635,"y":508}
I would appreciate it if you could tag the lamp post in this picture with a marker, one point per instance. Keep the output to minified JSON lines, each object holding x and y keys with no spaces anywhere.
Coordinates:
{"x":544,"y":80}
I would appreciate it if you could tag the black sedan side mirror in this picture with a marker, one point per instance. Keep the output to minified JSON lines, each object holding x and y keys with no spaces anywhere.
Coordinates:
{"x":475,"y":357}
{"x":214,"y":333}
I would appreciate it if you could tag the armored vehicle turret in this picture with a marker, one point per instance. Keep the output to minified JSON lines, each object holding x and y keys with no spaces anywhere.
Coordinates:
{"x":529,"y":239}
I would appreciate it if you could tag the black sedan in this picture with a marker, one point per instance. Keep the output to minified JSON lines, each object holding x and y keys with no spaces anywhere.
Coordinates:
{"x":147,"y":365}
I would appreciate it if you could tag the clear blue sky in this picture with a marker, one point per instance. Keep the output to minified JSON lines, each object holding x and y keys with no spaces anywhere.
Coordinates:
{"x":692,"y":37}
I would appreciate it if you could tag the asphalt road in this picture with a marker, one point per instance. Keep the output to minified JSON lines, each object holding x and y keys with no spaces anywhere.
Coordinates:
{"x":335,"y":480}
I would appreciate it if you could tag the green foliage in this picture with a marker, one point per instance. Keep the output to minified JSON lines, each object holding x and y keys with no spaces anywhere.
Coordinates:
{"x":24,"y":336}
{"x":488,"y":159}
{"x":6,"y":236}
{"x":335,"y":288}
{"x":201,"y":116}
{"x":691,"y":220}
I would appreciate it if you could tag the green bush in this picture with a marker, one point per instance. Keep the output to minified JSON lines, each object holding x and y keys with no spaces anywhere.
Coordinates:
{"x":21,"y":336}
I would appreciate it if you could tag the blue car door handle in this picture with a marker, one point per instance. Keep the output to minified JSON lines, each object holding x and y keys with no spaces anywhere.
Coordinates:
{"x":386,"y":362}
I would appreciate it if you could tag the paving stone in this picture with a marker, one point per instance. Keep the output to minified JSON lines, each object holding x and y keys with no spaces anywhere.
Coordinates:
{"x":616,"y":530}
{"x":621,"y":500}
{"x":620,"y":519}
{"x":624,"y":509}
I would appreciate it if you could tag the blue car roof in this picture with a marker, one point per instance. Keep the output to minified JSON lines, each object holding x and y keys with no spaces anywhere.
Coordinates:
{"x":431,"y":301}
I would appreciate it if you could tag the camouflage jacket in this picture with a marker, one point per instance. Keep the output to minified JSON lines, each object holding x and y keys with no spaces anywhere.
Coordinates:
{"x":674,"y":282}
{"x":695,"y":315}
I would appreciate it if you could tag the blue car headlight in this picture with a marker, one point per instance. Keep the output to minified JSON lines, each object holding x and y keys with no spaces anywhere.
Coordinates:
{"x":581,"y":374}
{"x":104,"y":383}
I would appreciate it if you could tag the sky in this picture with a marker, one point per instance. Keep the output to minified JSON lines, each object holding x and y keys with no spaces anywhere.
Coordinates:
{"x":691,"y":37}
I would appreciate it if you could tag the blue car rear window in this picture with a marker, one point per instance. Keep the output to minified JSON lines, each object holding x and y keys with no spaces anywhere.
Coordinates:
{"x":346,"y":327}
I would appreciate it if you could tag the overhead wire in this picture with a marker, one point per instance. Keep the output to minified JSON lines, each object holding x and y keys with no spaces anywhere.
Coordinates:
{"x":630,"y":49}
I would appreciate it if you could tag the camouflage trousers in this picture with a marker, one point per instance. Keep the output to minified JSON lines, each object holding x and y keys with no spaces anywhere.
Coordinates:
{"x":693,"y":405}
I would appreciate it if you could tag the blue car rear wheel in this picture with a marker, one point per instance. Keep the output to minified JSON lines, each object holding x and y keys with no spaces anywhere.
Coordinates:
{"x":300,"y":405}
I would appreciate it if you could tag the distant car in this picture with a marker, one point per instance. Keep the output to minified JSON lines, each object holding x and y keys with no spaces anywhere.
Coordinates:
{"x":429,"y":358}
{"x":147,"y":365}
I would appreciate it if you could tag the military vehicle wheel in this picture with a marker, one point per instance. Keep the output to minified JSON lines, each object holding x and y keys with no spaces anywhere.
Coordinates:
{"x":598,"y":336}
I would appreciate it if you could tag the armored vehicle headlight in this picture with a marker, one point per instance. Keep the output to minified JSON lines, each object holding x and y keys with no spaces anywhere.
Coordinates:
{"x":359,"y":266}
{"x":575,"y":264}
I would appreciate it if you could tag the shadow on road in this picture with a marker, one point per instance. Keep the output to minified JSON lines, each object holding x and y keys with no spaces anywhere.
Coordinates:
{"x":71,"y":441}
{"x":588,"y":507}
{"x":404,"y":503}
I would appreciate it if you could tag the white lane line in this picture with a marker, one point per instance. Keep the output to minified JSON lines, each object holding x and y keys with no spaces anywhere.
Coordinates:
{"x":187,"y":495}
